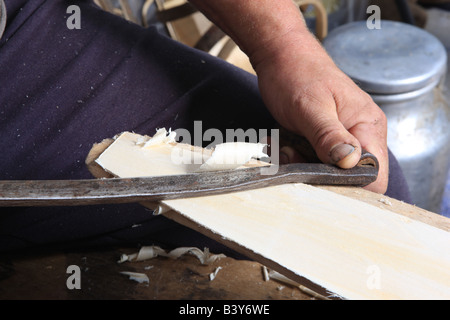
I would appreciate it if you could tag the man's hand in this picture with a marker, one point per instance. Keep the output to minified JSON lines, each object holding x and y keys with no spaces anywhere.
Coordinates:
{"x":300,"y":84}
{"x":308,"y":95}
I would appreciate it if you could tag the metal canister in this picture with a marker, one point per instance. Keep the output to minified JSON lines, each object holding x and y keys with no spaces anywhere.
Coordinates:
{"x":403,"y":68}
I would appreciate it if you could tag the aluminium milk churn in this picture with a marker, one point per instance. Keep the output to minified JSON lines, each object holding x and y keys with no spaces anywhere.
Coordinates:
{"x":403,"y":68}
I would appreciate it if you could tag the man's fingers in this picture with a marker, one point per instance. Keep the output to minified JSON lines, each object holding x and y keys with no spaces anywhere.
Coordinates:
{"x":335,"y":144}
{"x":372,"y":138}
{"x":347,"y":155}
{"x":290,"y":155}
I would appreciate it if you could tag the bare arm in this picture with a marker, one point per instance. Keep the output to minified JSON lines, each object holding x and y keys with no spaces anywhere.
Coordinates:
{"x":301,"y":86}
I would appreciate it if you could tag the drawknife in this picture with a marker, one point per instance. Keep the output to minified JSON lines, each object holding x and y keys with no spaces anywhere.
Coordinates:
{"x":15,"y":193}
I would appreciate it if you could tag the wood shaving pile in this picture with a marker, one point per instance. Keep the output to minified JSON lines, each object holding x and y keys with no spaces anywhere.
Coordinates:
{"x":150,"y":252}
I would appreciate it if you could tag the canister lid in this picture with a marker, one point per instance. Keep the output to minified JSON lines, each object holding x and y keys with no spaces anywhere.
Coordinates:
{"x":397,"y":58}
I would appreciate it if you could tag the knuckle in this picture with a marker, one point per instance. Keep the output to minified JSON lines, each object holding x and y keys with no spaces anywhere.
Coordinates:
{"x":374,"y":114}
{"x":324,"y":134}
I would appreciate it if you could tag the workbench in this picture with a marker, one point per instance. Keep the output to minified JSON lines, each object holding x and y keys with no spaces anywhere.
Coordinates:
{"x":42,"y":274}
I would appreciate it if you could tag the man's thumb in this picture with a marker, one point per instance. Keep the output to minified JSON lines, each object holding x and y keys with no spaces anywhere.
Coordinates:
{"x":335,"y":145}
{"x":345,"y":155}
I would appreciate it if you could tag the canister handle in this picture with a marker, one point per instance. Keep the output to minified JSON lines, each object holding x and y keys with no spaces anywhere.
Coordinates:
{"x":321,"y":16}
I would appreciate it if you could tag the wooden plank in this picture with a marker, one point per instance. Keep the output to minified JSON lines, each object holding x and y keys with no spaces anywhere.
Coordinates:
{"x":329,"y":242}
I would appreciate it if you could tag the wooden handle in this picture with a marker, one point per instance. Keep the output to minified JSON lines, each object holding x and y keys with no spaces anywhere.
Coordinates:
{"x":321,"y":16}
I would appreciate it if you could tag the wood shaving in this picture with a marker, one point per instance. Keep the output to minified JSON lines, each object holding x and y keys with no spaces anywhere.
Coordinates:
{"x":385,"y":201}
{"x":281,"y":278}
{"x":136,"y":276}
{"x":160,"y":209}
{"x":150,"y":252}
{"x":161,"y":136}
{"x":213,"y":275}
{"x":232,"y":155}
{"x":265,"y":273}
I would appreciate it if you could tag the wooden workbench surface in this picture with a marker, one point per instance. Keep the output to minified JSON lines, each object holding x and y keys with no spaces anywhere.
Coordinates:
{"x":43,"y":276}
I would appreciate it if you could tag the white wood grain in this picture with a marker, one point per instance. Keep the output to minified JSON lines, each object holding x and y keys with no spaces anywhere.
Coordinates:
{"x":327,"y":241}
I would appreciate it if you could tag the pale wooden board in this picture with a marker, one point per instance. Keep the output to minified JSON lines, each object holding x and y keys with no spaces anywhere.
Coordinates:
{"x":319,"y":238}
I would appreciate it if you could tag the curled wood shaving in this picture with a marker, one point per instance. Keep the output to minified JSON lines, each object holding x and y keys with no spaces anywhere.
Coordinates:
{"x":213,"y":275}
{"x":232,"y":155}
{"x":281,"y":278}
{"x":150,"y":252}
{"x":266,"y":274}
{"x":161,"y":136}
{"x":160,"y":209}
{"x":224,"y":156}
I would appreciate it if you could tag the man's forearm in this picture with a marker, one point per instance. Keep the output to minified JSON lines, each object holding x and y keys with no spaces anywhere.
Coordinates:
{"x":300,"y":84}
{"x":254,"y":23}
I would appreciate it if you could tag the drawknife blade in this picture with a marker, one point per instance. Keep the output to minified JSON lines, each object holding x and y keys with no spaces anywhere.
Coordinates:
{"x":15,"y":193}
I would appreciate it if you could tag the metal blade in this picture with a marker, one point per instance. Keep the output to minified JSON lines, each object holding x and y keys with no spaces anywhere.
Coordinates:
{"x":126,"y":190}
